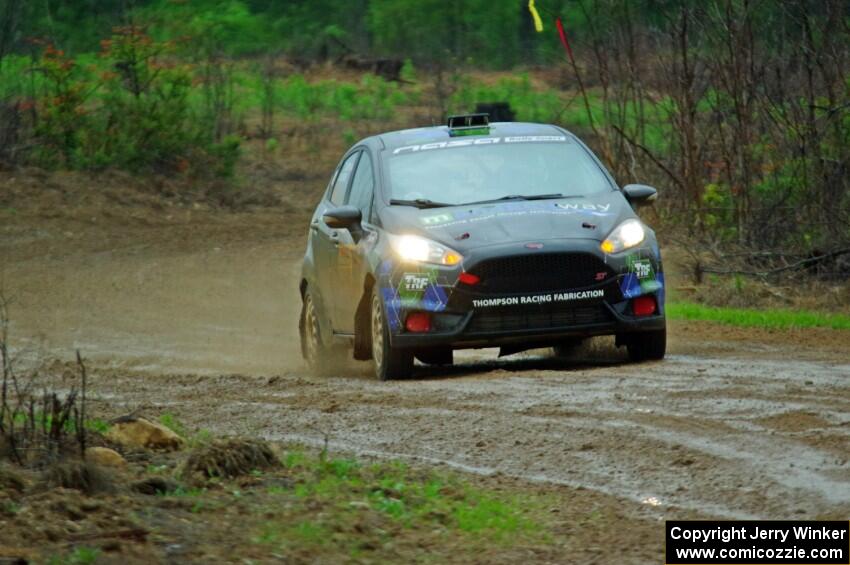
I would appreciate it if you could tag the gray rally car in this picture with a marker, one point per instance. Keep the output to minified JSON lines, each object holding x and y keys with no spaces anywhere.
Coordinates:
{"x":472,"y":235}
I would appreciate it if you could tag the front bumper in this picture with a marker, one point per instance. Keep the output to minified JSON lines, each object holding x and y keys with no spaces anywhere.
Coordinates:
{"x":460,"y":338}
{"x":529,"y":309}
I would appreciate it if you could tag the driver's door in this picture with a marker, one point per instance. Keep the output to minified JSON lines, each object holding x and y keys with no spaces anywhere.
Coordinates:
{"x":326,"y":240}
{"x":352,"y":265}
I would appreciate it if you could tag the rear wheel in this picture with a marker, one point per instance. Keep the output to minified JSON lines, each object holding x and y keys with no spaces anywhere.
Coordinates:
{"x":647,"y":346}
{"x":318,"y":356}
{"x":389,"y":362}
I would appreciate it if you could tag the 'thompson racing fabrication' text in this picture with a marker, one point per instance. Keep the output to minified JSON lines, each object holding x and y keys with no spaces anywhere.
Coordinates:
{"x":537,"y":298}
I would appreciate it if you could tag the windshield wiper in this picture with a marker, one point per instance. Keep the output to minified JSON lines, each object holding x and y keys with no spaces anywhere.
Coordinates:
{"x":421,"y":203}
{"x":519,"y":197}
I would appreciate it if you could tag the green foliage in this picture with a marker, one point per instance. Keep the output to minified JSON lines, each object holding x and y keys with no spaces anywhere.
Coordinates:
{"x":69,"y":426}
{"x":780,"y":319}
{"x":744,"y":152}
{"x":349,"y":137}
{"x":98,"y":425}
{"x":79,"y":556}
{"x":479,"y":31}
{"x":16,"y":78}
{"x":9,"y":508}
{"x":171,"y":422}
{"x":373,"y":98}
{"x":408,"y":72}
{"x":200,"y":437}
{"x":62,"y":117}
{"x":491,"y":34}
{"x":226,"y":26}
{"x":130,"y":108}
{"x":529,"y":103}
{"x":224,"y":155}
{"x":389,"y":492}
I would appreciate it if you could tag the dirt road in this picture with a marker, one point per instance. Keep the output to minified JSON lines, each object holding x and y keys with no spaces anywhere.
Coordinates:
{"x":200,"y":321}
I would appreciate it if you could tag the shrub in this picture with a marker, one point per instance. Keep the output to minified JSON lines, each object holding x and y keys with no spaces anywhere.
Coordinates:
{"x":142,"y":118}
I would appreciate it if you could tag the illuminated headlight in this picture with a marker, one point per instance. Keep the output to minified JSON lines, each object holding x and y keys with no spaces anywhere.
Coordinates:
{"x":625,"y":236}
{"x":420,"y":250}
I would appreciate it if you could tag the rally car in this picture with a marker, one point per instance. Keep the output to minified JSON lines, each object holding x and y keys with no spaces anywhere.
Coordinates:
{"x":474,"y":235}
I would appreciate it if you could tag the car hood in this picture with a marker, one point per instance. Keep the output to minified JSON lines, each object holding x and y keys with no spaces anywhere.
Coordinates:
{"x":472,"y":226}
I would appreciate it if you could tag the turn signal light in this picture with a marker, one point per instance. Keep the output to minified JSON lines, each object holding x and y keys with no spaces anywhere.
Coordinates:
{"x":644,"y":305}
{"x":418,"y":322}
{"x":469,"y":278}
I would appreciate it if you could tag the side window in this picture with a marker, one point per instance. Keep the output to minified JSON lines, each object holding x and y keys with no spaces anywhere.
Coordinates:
{"x":341,"y":183}
{"x":363,"y":186}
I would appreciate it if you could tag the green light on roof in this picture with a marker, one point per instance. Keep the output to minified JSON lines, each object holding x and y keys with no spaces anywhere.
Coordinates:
{"x":469,"y":131}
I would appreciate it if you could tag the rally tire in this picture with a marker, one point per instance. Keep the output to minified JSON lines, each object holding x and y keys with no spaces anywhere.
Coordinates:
{"x":390,"y":363}
{"x":647,"y":346}
{"x":317,"y":355}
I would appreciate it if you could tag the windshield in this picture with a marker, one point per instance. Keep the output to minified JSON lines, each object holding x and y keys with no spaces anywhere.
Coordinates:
{"x":465,"y":171}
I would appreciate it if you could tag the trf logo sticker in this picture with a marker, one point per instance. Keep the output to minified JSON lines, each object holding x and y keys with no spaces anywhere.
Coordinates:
{"x":412,"y":282}
{"x":642,"y":268}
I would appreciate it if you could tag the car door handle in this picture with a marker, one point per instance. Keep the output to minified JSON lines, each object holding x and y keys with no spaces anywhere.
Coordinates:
{"x":335,"y":237}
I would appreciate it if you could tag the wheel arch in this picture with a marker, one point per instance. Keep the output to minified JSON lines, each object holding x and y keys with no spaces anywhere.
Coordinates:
{"x":362,"y":321}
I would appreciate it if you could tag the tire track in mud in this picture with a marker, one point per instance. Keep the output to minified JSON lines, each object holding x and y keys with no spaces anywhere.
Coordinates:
{"x":735,"y":423}
{"x":625,"y":430}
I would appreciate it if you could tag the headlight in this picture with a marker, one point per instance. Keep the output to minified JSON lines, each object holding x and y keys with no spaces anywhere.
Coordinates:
{"x":626,"y":235}
{"x":420,"y":250}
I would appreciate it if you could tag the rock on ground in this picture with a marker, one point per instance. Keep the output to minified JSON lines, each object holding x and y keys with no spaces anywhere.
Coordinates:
{"x":105,"y":457}
{"x":140,"y":432}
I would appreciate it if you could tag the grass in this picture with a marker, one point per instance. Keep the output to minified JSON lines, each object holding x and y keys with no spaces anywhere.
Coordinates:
{"x":79,"y":556}
{"x":777,"y":319}
{"x":93,"y":424}
{"x":383,"y":498}
{"x":315,"y":507}
{"x":171,"y":422}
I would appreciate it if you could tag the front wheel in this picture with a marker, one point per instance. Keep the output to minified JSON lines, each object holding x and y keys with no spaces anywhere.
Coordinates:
{"x":647,"y":346}
{"x":389,"y":362}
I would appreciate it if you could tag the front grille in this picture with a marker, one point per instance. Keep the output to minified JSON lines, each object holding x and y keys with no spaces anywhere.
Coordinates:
{"x":536,"y":318}
{"x":539,"y":272}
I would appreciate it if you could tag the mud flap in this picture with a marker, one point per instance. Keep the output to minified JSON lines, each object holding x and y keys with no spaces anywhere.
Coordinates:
{"x":301,"y":327}
{"x":362,"y":330}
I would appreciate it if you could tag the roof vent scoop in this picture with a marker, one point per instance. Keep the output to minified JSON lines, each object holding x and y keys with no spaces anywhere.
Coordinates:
{"x":469,"y":124}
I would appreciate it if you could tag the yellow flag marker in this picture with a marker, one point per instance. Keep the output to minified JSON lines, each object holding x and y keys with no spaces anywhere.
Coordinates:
{"x":538,"y":23}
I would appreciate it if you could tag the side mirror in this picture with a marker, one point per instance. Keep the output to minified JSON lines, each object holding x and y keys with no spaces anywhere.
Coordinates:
{"x":640,"y":194}
{"x":344,"y":217}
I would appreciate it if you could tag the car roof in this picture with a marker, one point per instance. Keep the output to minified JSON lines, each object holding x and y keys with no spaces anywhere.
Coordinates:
{"x":416,"y":136}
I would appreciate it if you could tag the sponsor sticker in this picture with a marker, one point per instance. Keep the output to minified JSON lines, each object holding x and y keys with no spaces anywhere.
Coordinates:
{"x":591,"y":207}
{"x":437,"y":219}
{"x":642,"y":268}
{"x":481,"y":141}
{"x":512,"y":210}
{"x":640,"y":277}
{"x":537,"y":298}
{"x":414,"y":282}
